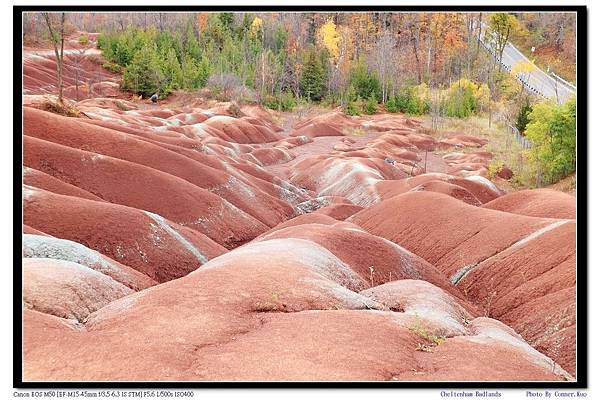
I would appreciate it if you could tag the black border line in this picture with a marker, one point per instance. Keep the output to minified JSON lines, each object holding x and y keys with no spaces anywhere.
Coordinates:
{"x":582,"y":206}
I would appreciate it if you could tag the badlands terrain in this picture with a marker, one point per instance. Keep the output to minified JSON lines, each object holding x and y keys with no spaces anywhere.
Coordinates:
{"x":193,"y":240}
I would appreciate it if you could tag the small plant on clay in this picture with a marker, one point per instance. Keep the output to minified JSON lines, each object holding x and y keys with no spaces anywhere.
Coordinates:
{"x":422,"y":332}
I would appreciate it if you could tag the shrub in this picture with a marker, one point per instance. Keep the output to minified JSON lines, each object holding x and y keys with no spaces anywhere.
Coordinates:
{"x":284,"y":102}
{"x":223,"y":86}
{"x":370,"y":106}
{"x":271,"y":102}
{"x":424,"y":333}
{"x":96,"y":59}
{"x":411,"y":100}
{"x":67,"y":109}
{"x":392,"y":106}
{"x":83,"y":39}
{"x":460,"y":99}
{"x":494,"y":167}
{"x":352,"y":108}
{"x":194,"y":75}
{"x":112,"y":67}
{"x":331,"y":100}
{"x":464,"y":98}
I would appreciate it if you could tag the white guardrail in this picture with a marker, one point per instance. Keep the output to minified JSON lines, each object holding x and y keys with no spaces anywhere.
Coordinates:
{"x":565,"y":82}
{"x":531,"y":88}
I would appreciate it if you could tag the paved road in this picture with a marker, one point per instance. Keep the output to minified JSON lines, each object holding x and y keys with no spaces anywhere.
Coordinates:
{"x":539,"y":82}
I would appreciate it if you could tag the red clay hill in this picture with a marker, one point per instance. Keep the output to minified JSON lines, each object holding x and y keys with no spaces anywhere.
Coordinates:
{"x":205,"y":242}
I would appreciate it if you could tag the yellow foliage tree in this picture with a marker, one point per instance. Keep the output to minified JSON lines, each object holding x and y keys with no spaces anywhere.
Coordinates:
{"x":524,"y":67}
{"x":330,"y":39}
{"x":256,"y":26}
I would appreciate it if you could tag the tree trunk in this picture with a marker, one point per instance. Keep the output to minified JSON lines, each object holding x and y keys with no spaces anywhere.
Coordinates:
{"x":478,"y":37}
{"x":428,"y":74}
{"x":416,"y":52}
{"x":59,"y":55}
{"x":62,"y":54}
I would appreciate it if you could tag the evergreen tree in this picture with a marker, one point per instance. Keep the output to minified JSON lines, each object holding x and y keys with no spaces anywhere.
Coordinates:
{"x":195,"y":74}
{"x":245,"y":26}
{"x":280,"y":40}
{"x":173,"y":76}
{"x":523,"y":117}
{"x":226,"y":21}
{"x":144,"y":74}
{"x":312,"y":80}
{"x":371,"y":105}
{"x":365,"y":83}
{"x":192,"y":47}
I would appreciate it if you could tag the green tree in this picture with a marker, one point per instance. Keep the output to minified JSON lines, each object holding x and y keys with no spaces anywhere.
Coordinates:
{"x":226,"y":20}
{"x":280,"y":38}
{"x":365,"y":83}
{"x":552,"y":129}
{"x":190,"y":44}
{"x":523,"y":116}
{"x":501,"y":26}
{"x":171,"y":69}
{"x":462,"y":98}
{"x":371,"y":105}
{"x":243,"y":29}
{"x":215,"y":34}
{"x":144,"y":74}
{"x":312,"y":80}
{"x":411,"y":100}
{"x":195,"y":74}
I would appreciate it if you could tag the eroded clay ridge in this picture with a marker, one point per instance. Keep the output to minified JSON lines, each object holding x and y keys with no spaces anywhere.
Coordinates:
{"x":194,"y":242}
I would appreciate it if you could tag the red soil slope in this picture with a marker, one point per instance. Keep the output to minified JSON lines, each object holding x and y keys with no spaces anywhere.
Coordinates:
{"x":33,"y":177}
{"x":134,"y":185}
{"x":472,"y":190}
{"x":492,"y":255}
{"x":83,"y":75}
{"x":445,"y":231}
{"x":316,"y":130}
{"x":66,"y":289}
{"x":144,"y":241}
{"x":44,"y":246}
{"x":374,"y":259}
{"x":537,"y":203}
{"x":339,"y":211}
{"x":259,"y":320}
{"x":67,"y":131}
{"x":531,"y":287}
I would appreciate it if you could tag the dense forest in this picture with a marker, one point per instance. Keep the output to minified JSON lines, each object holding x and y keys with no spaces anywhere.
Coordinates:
{"x":415,"y":63}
